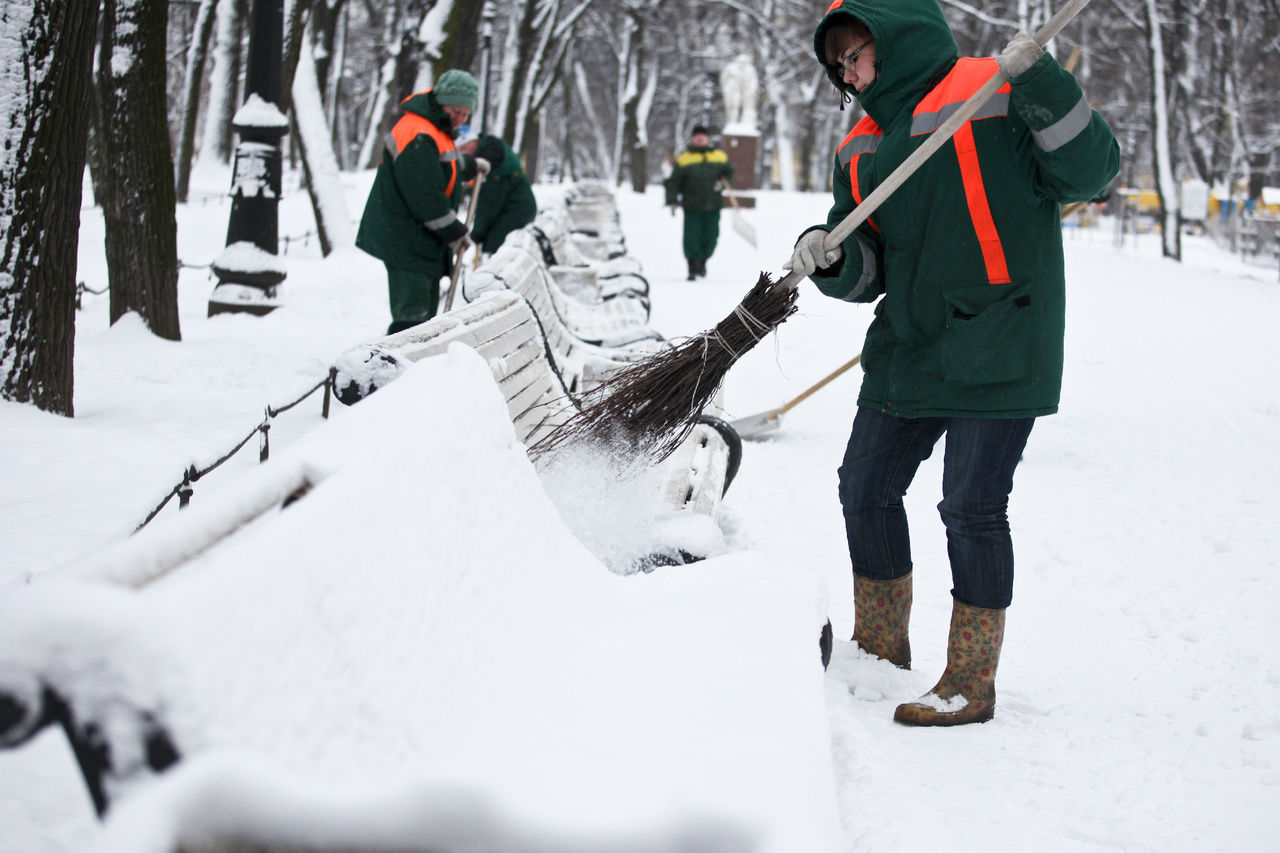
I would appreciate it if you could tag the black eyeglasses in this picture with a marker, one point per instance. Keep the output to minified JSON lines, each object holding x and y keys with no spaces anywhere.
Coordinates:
{"x":850,"y":59}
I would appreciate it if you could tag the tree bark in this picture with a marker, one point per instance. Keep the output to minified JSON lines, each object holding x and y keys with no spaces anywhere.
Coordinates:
{"x":196,"y":56}
{"x":1166,"y":189}
{"x":333,"y":223}
{"x":224,"y":100}
{"x":295,"y":30}
{"x":42,"y":122}
{"x":141,"y":229}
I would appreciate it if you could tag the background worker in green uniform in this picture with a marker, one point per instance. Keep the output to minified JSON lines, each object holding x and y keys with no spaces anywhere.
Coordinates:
{"x":965,"y":264}
{"x":694,"y":184}
{"x":506,"y":199}
{"x":409,"y":221}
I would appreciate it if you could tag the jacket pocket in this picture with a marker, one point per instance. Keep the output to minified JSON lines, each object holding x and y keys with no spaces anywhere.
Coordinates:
{"x":989,"y":341}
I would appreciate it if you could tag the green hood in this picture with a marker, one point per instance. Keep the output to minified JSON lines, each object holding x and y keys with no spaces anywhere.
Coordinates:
{"x":914,"y":49}
{"x":426,"y":105}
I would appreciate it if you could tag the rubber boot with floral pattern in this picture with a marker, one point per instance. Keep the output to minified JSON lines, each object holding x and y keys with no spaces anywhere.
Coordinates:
{"x":881,"y":614}
{"x":966,"y":693}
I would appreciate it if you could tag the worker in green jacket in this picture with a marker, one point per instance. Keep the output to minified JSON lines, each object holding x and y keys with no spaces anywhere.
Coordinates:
{"x":964,"y":262}
{"x":409,"y":221}
{"x":506,"y":199}
{"x":694,"y":184}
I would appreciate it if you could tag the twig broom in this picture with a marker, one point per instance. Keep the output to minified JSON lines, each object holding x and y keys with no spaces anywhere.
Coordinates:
{"x":653,"y":404}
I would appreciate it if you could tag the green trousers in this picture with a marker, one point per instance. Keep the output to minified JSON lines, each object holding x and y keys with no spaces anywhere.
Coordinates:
{"x":701,"y":230}
{"x":415,"y":296}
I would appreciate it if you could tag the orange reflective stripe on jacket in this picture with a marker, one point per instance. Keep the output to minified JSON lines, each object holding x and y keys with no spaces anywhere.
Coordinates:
{"x":965,"y":78}
{"x":409,"y":127}
{"x":863,"y":139}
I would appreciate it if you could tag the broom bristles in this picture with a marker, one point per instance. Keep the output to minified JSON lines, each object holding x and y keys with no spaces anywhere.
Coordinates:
{"x":653,"y":404}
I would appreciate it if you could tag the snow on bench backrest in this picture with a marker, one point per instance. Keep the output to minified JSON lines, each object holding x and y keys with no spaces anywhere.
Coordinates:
{"x":556,"y":240}
{"x":609,"y":324}
{"x":504,"y":329}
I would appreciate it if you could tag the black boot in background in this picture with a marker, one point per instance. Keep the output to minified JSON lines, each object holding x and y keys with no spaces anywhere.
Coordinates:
{"x":693,"y":269}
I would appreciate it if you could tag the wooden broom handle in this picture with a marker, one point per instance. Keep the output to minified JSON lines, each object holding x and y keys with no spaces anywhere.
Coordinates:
{"x":457,"y":262}
{"x":936,"y":140}
{"x":791,"y":404}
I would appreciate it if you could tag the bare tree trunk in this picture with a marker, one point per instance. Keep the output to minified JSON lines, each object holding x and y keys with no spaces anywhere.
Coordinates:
{"x":295,"y":30}
{"x":461,"y":29}
{"x":396,"y":76}
{"x":43,"y":102}
{"x":329,"y":24}
{"x":224,"y":83}
{"x":141,"y":230}
{"x":333,"y":223}
{"x":1166,"y":188}
{"x":604,"y":163}
{"x":196,"y":55}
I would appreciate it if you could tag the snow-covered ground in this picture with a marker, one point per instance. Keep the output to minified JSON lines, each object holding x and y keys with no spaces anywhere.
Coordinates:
{"x":439,"y":657}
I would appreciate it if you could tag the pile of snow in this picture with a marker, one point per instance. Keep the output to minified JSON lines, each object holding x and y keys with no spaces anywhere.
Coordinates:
{"x":423,"y":614}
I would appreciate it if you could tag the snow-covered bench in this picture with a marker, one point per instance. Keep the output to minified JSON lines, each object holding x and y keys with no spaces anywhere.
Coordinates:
{"x":611,"y":323}
{"x":504,"y":329}
{"x":594,"y":220}
{"x":552,"y":238}
{"x":338,"y":671}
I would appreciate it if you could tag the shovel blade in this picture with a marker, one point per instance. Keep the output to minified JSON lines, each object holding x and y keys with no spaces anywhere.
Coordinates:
{"x":743,"y":227}
{"x":755,"y":425}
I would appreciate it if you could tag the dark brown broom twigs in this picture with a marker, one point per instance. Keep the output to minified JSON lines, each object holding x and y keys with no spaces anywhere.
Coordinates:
{"x":653,"y":404}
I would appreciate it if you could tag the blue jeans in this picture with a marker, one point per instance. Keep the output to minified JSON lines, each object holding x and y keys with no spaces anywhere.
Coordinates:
{"x":880,"y":462}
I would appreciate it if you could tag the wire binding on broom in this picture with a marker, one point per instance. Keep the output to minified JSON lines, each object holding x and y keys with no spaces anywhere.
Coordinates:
{"x":653,"y":404}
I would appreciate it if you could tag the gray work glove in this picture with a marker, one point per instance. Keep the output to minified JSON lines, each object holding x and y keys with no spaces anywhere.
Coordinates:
{"x":483,"y":166}
{"x":809,"y":254}
{"x":1019,"y":55}
{"x":461,"y":244}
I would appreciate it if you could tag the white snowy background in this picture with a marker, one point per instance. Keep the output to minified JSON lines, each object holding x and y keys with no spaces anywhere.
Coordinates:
{"x":421,"y":648}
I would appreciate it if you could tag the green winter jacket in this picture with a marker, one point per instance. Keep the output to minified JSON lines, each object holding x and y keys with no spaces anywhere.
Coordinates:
{"x":967,"y":254}
{"x":409,"y":219}
{"x":694,"y":183}
{"x":506,"y":198}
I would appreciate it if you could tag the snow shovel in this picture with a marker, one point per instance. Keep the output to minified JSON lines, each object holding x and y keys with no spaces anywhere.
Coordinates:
{"x":750,"y":427}
{"x":741,"y":225}
{"x":457,"y":262}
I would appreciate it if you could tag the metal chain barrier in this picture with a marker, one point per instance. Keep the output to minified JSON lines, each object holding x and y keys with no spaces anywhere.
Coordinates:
{"x":184,"y":489}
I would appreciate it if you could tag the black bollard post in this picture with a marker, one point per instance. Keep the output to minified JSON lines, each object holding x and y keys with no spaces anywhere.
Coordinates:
{"x":249,"y":268}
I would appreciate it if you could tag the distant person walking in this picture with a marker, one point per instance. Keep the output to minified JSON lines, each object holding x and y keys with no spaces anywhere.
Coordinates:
{"x":409,"y":221}
{"x":694,"y":184}
{"x":506,"y":199}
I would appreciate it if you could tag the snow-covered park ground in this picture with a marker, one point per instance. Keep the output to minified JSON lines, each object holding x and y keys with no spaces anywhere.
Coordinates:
{"x":441,"y":658}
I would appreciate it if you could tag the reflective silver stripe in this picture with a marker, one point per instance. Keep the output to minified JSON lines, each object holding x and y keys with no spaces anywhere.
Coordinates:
{"x":929,"y":122}
{"x":1064,"y":129}
{"x":443,"y":222}
{"x":869,"y":269}
{"x":394,"y":150}
{"x":861,"y":144}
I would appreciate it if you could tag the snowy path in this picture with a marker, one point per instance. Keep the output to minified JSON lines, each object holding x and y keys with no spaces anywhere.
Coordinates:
{"x":1140,"y":685}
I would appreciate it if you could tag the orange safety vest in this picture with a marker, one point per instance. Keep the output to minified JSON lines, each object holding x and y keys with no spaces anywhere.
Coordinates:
{"x":863,"y":139}
{"x":409,"y":127}
{"x":968,"y":75}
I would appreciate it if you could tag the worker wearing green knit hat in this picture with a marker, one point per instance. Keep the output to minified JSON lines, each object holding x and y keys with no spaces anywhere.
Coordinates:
{"x":410,"y":222}
{"x":457,"y":89}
